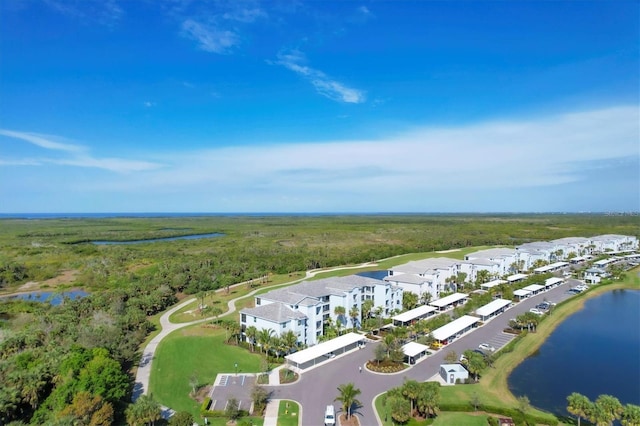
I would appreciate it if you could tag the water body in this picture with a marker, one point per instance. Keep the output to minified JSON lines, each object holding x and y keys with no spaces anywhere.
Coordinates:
{"x":595,"y":351}
{"x":155,"y":240}
{"x":378,"y":275}
{"x":50,"y":297}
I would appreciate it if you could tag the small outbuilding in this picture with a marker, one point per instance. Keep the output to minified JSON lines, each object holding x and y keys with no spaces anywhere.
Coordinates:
{"x":451,"y":373}
{"x":414,"y":351}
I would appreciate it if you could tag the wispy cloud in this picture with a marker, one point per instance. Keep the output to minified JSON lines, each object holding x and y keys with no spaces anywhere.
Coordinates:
{"x":43,"y":141}
{"x":106,"y":12}
{"x":527,"y":164}
{"x":72,"y":155}
{"x":149,"y":104}
{"x":210,"y":37}
{"x":296,"y":61}
{"x":494,"y":155}
{"x":217,"y":27}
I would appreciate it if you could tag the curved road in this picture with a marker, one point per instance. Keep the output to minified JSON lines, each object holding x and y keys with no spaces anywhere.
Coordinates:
{"x":143,"y":373}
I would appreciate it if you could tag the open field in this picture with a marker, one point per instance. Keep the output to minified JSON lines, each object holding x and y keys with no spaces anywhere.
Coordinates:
{"x":194,"y":352}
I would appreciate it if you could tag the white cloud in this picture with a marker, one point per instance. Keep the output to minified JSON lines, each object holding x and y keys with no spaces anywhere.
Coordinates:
{"x":43,"y":141}
{"x":210,"y":38}
{"x":502,"y":165}
{"x":245,"y":15}
{"x":72,"y":155}
{"x":326,"y":86}
{"x":493,"y":155}
{"x":149,"y":104}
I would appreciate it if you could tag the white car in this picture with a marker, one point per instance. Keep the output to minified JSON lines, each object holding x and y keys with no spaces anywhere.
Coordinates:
{"x":536,"y":311}
{"x":486,"y":347}
{"x":330,"y":416}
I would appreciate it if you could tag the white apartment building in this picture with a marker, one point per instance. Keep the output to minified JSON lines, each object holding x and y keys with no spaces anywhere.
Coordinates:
{"x":577,"y":245}
{"x":425,"y":276}
{"x":506,"y":258}
{"x":303,"y":308}
{"x":612,"y":242}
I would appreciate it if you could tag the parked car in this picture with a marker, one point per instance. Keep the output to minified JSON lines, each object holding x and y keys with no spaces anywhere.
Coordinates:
{"x":330,"y":416}
{"x":486,"y":347}
{"x":536,"y":311}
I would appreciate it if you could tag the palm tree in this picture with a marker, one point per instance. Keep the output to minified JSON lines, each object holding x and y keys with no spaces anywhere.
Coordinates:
{"x":264,"y":339}
{"x":410,"y":389}
{"x":340,"y":313}
{"x":290,"y":340}
{"x":428,"y":398}
{"x":630,"y":415}
{"x":251,"y":333}
{"x":611,"y":408}
{"x":348,"y":394}
{"x":578,"y":405}
{"x":354,"y":313}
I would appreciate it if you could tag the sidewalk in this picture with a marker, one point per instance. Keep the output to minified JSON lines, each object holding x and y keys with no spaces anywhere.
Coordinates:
{"x":271,"y":413}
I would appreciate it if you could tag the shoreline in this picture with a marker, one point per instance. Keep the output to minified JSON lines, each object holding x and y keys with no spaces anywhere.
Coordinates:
{"x":497,"y":377}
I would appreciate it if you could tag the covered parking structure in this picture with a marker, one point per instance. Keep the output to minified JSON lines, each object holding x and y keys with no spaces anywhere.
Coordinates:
{"x":552,"y":282}
{"x":414,"y":351}
{"x":515,"y":278}
{"x":534,"y":288}
{"x":491,"y":284}
{"x":450,"y":301}
{"x":522,"y":294}
{"x":492,"y":309}
{"x":448,"y":333}
{"x":550,"y":268}
{"x":322,"y":351}
{"x":406,"y":318}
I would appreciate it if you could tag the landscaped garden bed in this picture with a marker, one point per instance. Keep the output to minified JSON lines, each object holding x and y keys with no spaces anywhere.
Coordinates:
{"x":385,"y":366}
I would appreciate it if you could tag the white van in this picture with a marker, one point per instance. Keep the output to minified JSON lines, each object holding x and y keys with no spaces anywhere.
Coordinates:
{"x":330,"y":416}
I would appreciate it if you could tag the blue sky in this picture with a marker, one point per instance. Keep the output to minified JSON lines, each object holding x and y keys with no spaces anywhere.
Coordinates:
{"x":320,"y":106}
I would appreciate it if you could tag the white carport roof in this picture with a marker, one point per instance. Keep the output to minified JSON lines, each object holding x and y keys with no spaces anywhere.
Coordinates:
{"x":452,"y":298}
{"x":492,"y":307}
{"x":516,"y":277}
{"x":552,"y":281}
{"x":533,"y":287}
{"x":320,"y":349}
{"x":521,"y":292}
{"x":493,"y":283}
{"x":413,"y":349}
{"x":454,"y":327}
{"x":414,"y":313}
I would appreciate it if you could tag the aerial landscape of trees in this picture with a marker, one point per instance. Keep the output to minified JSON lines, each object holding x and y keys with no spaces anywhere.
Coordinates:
{"x":74,"y":362}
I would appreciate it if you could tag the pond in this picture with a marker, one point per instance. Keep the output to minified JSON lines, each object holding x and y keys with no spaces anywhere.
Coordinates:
{"x":595,"y":351}
{"x":378,"y":275}
{"x":54,"y":298}
{"x":155,"y":240}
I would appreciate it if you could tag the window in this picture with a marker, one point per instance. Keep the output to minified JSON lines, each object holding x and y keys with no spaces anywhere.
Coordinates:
{"x":257,"y":301}
{"x":243,"y":318}
{"x":254,"y":319}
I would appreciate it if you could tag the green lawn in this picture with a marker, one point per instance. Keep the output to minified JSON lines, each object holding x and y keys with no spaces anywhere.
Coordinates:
{"x":460,"y":419}
{"x":288,"y":413}
{"x":194,"y":350}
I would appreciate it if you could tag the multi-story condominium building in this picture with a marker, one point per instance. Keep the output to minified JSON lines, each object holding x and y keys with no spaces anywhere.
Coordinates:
{"x":303,"y":308}
{"x":425,"y":276}
{"x":611,"y":242}
{"x":579,"y":246}
{"x":506,"y":260}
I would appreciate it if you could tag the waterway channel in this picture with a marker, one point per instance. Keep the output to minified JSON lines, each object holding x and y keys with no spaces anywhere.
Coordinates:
{"x":595,"y":351}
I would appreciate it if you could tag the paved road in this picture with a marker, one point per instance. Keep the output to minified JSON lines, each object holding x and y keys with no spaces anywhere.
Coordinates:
{"x":317,"y":387}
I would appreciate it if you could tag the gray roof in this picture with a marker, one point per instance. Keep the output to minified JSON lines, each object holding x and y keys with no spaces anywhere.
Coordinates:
{"x":479,"y":261}
{"x":426,"y":266}
{"x":307,"y":291}
{"x":406,"y":278}
{"x":571,"y":240}
{"x":492,"y":253}
{"x":537,"y":246}
{"x":276,"y":312}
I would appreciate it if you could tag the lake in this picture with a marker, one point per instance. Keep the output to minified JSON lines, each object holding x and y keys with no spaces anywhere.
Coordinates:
{"x":155,"y":240}
{"x":595,"y":351}
{"x":47,"y":296}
